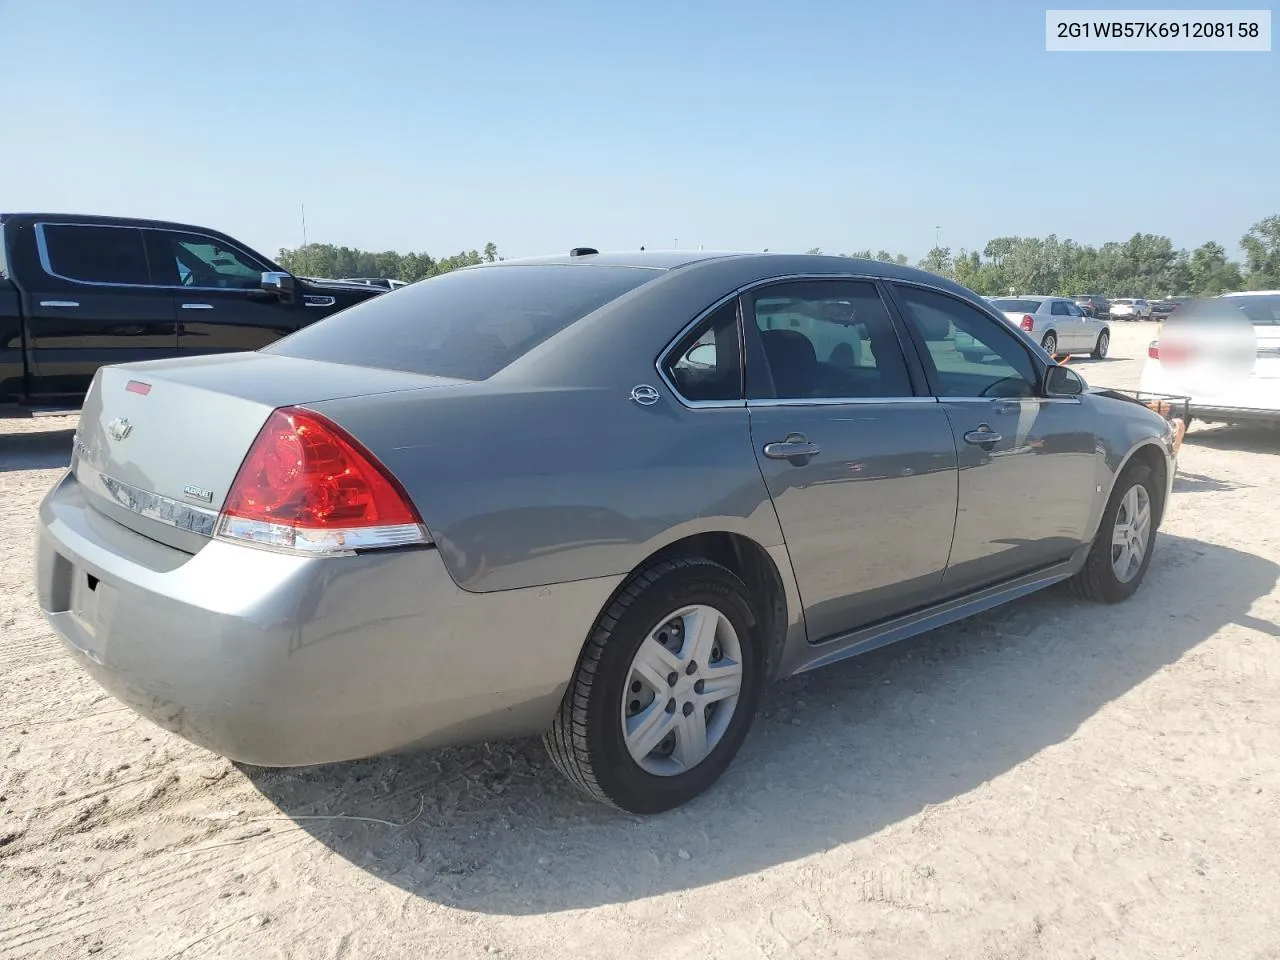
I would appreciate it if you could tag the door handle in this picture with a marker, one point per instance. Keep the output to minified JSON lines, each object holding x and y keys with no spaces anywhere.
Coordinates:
{"x":59,"y":303}
{"x":795,"y":447}
{"x":983,"y":435}
{"x":197,"y":306}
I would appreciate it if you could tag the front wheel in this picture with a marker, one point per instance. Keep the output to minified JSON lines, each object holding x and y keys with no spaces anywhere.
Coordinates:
{"x":1050,"y":344}
{"x":1121,"y":551}
{"x":1103,"y":344}
{"x":665,"y":689}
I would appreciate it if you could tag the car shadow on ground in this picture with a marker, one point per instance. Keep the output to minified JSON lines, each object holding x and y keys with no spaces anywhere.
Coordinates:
{"x":1185,"y":482}
{"x":836,"y":755}
{"x":1248,"y":438}
{"x":42,"y":450}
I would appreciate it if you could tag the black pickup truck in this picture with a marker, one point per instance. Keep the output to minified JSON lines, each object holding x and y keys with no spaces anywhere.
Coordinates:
{"x":80,"y":292}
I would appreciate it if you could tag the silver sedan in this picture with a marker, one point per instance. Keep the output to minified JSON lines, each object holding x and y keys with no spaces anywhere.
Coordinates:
{"x":603,"y":498}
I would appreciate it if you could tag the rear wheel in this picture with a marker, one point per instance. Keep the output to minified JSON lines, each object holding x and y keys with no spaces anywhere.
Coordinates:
{"x":665,"y":689}
{"x":1050,"y":344}
{"x":1121,"y":550}
{"x":1103,"y":344}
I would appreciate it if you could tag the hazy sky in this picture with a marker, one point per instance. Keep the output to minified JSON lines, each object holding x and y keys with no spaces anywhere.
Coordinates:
{"x":542,"y":126}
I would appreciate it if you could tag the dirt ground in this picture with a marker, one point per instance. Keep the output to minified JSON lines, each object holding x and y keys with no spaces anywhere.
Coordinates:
{"x":1055,"y":779}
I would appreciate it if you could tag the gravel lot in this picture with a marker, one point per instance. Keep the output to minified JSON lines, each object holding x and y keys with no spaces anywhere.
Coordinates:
{"x":1055,"y":779}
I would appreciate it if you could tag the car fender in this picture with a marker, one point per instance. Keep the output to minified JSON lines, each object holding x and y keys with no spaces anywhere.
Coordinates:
{"x":1161,"y":446}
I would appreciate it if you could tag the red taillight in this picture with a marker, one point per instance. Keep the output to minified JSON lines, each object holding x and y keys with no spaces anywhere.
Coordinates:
{"x":308,"y":486}
{"x":1171,"y":352}
{"x":1027,"y":322}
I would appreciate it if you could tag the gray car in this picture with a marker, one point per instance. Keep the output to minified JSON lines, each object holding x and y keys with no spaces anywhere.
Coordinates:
{"x":603,"y":498}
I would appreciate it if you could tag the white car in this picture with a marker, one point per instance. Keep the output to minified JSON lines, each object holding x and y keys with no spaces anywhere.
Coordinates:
{"x":1057,"y":324}
{"x":1130,"y":309}
{"x":1224,"y":354}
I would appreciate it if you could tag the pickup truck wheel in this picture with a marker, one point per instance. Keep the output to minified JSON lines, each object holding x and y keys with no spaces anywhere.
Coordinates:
{"x":1050,"y":344}
{"x":1121,"y":551}
{"x":665,"y":689}
{"x":1100,"y":349}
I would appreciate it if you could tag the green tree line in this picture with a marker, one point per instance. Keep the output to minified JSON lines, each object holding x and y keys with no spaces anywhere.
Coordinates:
{"x":333,"y":262}
{"x":1145,"y":265}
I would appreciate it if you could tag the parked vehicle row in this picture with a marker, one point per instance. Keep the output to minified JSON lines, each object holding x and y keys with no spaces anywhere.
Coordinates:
{"x":78,"y":292}
{"x":600,"y":497}
{"x":1129,"y":308}
{"x":1160,"y":309}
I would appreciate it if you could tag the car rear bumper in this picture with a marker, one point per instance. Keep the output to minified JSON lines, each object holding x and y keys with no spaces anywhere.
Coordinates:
{"x":277,"y":660}
{"x":1209,"y":413}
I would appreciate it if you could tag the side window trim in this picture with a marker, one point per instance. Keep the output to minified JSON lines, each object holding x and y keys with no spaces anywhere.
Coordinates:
{"x":754,"y":350}
{"x":667,"y":354}
{"x":922,"y":348}
{"x":42,"y":251}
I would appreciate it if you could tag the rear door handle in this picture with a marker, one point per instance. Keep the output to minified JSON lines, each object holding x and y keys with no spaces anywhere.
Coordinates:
{"x":983,"y":435}
{"x":795,"y":447}
{"x":197,"y":306}
{"x":59,"y":303}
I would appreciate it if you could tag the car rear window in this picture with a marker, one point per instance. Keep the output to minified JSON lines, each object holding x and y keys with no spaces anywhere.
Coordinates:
{"x":1258,"y":311}
{"x":1016,"y":306}
{"x":1261,"y":311}
{"x":468,"y":324}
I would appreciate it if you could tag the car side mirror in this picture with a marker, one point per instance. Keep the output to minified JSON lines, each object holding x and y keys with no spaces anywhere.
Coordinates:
{"x":1063,"y":382}
{"x":279,"y":283}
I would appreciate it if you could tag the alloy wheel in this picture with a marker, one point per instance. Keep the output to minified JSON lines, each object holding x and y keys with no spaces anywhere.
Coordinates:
{"x":1131,"y":535}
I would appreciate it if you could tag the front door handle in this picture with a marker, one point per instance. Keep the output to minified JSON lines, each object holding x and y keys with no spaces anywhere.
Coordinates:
{"x":982,"y":436}
{"x":795,"y":448}
{"x":197,"y":306}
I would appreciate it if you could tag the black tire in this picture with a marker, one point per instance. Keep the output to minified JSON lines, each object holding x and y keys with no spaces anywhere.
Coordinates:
{"x":1097,"y":580}
{"x":973,"y":356}
{"x":1100,"y":348}
{"x":586,"y":739}
{"x":1050,"y":344}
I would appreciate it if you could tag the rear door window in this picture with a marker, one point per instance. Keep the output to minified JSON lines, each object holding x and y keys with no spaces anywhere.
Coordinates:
{"x":94,"y":254}
{"x":468,"y":324}
{"x":829,"y":339}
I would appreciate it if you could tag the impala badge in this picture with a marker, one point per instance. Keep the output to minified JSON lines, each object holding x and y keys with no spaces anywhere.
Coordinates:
{"x":198,"y":493}
{"x":119,"y":428}
{"x":644,"y":395}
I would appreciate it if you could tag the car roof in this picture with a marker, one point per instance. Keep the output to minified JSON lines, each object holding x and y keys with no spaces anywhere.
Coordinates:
{"x":763,"y":263}
{"x":652,"y":259}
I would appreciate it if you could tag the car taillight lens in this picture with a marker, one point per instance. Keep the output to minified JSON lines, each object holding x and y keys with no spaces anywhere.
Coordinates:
{"x":309,"y":487}
{"x":1170,"y":352}
{"x":1027,"y":322}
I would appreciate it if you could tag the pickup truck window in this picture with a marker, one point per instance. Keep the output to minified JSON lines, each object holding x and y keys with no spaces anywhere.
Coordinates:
{"x":93,"y":254}
{"x":203,"y":262}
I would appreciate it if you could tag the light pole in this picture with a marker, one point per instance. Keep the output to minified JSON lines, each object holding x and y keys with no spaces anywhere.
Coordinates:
{"x":937,"y":237}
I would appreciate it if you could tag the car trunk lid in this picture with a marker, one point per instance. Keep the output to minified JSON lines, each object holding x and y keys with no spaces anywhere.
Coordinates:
{"x":159,"y":444}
